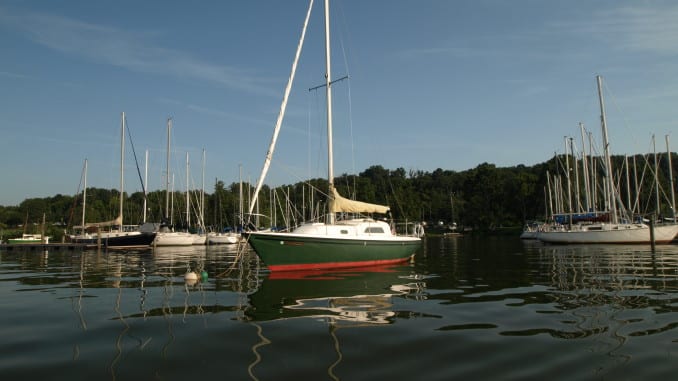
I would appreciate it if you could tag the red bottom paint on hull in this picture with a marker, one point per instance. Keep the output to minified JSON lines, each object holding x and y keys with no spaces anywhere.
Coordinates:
{"x":335,"y":265}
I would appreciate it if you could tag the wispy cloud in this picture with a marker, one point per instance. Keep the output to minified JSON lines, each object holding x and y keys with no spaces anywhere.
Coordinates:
{"x":215,"y":112}
{"x":643,"y":28}
{"x":638,"y":27}
{"x":132,"y":50}
{"x":454,"y":51}
{"x":633,"y":28}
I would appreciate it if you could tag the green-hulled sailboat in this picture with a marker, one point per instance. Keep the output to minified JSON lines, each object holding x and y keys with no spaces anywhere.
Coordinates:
{"x":335,"y":243}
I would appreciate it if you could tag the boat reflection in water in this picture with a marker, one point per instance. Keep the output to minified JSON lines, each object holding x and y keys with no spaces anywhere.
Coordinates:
{"x":325,"y":301}
{"x":609,"y":298}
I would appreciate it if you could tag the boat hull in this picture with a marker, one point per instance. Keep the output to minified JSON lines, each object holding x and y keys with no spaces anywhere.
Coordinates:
{"x":20,"y":241}
{"x":220,"y":239}
{"x":118,"y":240}
{"x":199,"y":239}
{"x":28,"y":239}
{"x":529,"y":234}
{"x":612,"y":234}
{"x":173,"y":239}
{"x":288,"y":252}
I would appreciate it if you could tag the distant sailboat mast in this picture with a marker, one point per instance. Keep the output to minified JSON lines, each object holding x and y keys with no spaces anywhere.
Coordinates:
{"x":202,"y":194}
{"x":188,"y":199}
{"x":84,"y":198}
{"x":167,"y":171}
{"x":587,"y":189}
{"x":608,"y":162}
{"x":240,"y":199}
{"x":145,"y":182}
{"x":673,"y":193}
{"x":122,"y":166}
{"x":656,"y":177}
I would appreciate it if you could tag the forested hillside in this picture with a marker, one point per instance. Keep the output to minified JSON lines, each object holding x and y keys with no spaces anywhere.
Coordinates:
{"x":482,"y":198}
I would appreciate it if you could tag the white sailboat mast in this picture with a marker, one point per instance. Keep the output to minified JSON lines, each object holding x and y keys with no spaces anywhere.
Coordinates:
{"x":145,"y":183}
{"x":594,"y":176}
{"x":281,"y":115}
{"x":636,"y":188}
{"x":122,"y":165}
{"x":656,"y":176}
{"x":328,"y":90}
{"x":188,"y":200}
{"x":241,"y":217}
{"x":84,"y":198}
{"x":673,"y":193}
{"x":629,"y":205}
{"x":587,"y":189}
{"x":567,"y":177}
{"x":608,"y":161}
{"x":167,"y":173}
{"x":577,"y":195}
{"x":550,"y":212}
{"x":202,"y":193}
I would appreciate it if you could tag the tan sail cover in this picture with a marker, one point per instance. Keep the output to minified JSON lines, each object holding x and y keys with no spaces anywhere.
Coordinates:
{"x":341,"y":204}
{"x":115,"y":222}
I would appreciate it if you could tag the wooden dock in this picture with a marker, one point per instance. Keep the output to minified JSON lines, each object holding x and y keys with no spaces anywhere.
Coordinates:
{"x":68,"y":246}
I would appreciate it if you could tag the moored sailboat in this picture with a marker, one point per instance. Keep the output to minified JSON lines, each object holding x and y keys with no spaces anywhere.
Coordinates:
{"x":117,"y":235}
{"x":336,"y":243}
{"x":28,"y":238}
{"x":166,"y":235}
{"x":214,"y":238}
{"x":611,"y":226}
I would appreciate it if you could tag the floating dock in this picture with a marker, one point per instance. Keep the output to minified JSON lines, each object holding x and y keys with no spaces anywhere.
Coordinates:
{"x":46,"y":246}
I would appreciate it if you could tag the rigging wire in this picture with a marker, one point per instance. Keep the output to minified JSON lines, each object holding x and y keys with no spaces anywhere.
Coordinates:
{"x":77,"y":195}
{"x":136,"y":161}
{"x":350,"y":111}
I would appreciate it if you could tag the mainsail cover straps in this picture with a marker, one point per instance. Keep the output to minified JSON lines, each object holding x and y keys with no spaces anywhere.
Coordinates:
{"x":340,"y":204}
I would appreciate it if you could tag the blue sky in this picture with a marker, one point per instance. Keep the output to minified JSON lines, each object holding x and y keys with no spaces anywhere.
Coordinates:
{"x":433,"y":84}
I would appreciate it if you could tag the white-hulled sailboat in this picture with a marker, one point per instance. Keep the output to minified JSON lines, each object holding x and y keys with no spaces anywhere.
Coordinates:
{"x":166,"y":235}
{"x":619,"y":229}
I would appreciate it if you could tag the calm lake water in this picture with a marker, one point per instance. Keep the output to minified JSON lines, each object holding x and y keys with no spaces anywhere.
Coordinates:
{"x":467,"y":307}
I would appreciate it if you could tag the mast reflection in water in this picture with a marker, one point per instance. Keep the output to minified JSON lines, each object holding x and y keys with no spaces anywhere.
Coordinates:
{"x":487,"y":308}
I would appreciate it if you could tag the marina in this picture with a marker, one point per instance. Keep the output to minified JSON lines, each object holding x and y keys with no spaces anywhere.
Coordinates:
{"x":419,"y":221}
{"x":533,"y":311}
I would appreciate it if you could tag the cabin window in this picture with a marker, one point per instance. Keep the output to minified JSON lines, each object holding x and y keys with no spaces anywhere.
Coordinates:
{"x":373,"y":230}
{"x":343,"y":231}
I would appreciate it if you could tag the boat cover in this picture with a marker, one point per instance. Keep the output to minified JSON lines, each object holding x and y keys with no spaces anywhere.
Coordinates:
{"x":340,"y":204}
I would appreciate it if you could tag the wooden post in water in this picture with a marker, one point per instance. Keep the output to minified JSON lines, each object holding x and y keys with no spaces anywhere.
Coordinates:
{"x":43,"y":239}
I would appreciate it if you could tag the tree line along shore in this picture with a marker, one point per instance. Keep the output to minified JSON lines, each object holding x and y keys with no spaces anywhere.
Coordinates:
{"x":485,"y":198}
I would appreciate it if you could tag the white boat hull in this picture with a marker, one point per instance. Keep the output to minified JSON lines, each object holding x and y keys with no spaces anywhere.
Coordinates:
{"x":527,"y":234}
{"x":173,"y":239}
{"x":610,"y":233}
{"x":220,"y":239}
{"x":199,"y":239}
